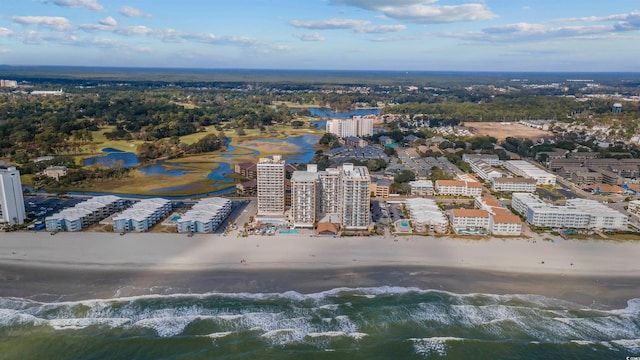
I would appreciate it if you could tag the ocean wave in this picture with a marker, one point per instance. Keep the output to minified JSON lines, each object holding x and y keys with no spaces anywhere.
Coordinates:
{"x":433,"y":345}
{"x":323,"y":318}
{"x":82,"y":323}
{"x":219,"y":335}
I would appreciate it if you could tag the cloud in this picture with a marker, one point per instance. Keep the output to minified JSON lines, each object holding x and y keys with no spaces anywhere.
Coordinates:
{"x":51,"y":22}
{"x":89,"y":4}
{"x":129,"y":11}
{"x":358,"y":26}
{"x":314,"y":36}
{"x":108,"y":21}
{"x":422,"y":11}
{"x":133,"y":30}
{"x":594,"y":27}
{"x":439,"y":14}
{"x":5,"y":32}
{"x":377,"y":4}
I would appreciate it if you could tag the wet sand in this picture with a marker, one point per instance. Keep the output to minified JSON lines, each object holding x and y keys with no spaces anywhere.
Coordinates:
{"x":98,"y":265}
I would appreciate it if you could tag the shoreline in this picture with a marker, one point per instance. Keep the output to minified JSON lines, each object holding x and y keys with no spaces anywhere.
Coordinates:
{"x":73,"y":266}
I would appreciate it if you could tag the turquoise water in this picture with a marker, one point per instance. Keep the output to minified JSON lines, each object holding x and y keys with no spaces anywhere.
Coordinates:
{"x":367,"y":323}
{"x":290,"y":231}
{"x":175,"y":217}
{"x":405,"y":224}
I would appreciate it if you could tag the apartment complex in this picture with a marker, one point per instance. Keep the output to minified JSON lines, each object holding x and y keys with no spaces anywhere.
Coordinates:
{"x":520,"y":184}
{"x":355,"y":198}
{"x":458,"y":188}
{"x":426,"y":216}
{"x":85,"y":213}
{"x":342,"y":194}
{"x":634,"y":207}
{"x":502,"y":221}
{"x":271,"y":188}
{"x":304,"y":197}
{"x":142,"y":215}
{"x":470,"y":221}
{"x":11,"y":200}
{"x":381,"y":187}
{"x":355,"y":126}
{"x":421,"y":187}
{"x":489,"y":159}
{"x":577,"y":213}
{"x":528,"y":170}
{"x":205,"y":216}
{"x":483,"y":165}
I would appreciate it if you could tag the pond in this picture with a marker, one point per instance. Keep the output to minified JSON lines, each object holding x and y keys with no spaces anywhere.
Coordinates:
{"x":114,"y":157}
{"x":305,"y":144}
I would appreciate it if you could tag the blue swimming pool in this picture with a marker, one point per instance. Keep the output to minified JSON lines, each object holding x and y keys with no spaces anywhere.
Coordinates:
{"x":289,"y":232}
{"x":404,"y":223}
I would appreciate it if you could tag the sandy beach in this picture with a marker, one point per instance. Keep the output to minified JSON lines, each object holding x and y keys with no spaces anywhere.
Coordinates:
{"x":85,"y":265}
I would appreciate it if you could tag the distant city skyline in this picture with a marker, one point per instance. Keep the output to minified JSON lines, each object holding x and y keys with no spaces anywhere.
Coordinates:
{"x":421,"y":35}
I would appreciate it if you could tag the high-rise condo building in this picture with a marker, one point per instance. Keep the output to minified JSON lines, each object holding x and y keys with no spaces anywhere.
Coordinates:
{"x":11,"y":200}
{"x":270,"y":186}
{"x":304,"y":197}
{"x":330,"y":186}
{"x":355,"y":126}
{"x":355,"y":197}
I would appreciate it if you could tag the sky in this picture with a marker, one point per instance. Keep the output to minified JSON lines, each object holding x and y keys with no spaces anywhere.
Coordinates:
{"x":404,"y":35}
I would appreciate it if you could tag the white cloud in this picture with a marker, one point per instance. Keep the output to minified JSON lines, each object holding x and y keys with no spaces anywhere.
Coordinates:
{"x":89,"y":4}
{"x":5,"y":32}
{"x":108,"y":21}
{"x":314,"y":36}
{"x":51,"y":22}
{"x":5,"y":51}
{"x":130,"y":11}
{"x":422,"y":11}
{"x":439,"y":14}
{"x":133,"y":30}
{"x":359,"y":26}
{"x":377,"y":4}
{"x":594,"y":27}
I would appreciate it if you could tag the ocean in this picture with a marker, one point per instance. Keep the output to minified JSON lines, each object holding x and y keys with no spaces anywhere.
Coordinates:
{"x":344,"y":323}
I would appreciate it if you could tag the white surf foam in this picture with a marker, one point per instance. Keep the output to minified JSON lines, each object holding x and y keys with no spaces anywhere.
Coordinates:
{"x":82,"y":323}
{"x":219,"y":335}
{"x":433,"y":345}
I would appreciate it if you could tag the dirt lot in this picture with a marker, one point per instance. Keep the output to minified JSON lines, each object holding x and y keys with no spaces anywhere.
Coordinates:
{"x":501,"y":130}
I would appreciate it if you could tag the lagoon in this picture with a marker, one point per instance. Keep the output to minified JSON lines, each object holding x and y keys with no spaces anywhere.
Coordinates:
{"x":305,"y":143}
{"x":113,"y":158}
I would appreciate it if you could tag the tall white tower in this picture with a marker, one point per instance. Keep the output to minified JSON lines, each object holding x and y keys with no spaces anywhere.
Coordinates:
{"x":271,"y":190}
{"x":355,"y":197}
{"x":11,"y":199}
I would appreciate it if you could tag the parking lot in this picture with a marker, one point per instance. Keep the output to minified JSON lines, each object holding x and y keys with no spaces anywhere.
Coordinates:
{"x":39,"y":207}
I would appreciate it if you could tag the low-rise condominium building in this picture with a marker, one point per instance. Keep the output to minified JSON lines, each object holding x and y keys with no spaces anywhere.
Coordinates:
{"x":142,"y":215}
{"x":426,"y":216}
{"x":84,"y":214}
{"x":205,"y":216}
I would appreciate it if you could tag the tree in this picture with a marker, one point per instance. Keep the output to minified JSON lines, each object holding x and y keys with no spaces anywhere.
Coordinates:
{"x":405,"y":176}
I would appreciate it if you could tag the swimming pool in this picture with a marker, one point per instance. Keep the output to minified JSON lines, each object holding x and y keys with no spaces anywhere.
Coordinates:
{"x":289,"y":232}
{"x":175,"y":217}
{"x":404,"y":223}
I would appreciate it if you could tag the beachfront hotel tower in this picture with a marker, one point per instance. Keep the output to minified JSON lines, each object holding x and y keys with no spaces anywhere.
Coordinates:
{"x":271,"y":187}
{"x":304,"y":197}
{"x":355,"y":198}
{"x":11,"y":200}
{"x":330,"y":186}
